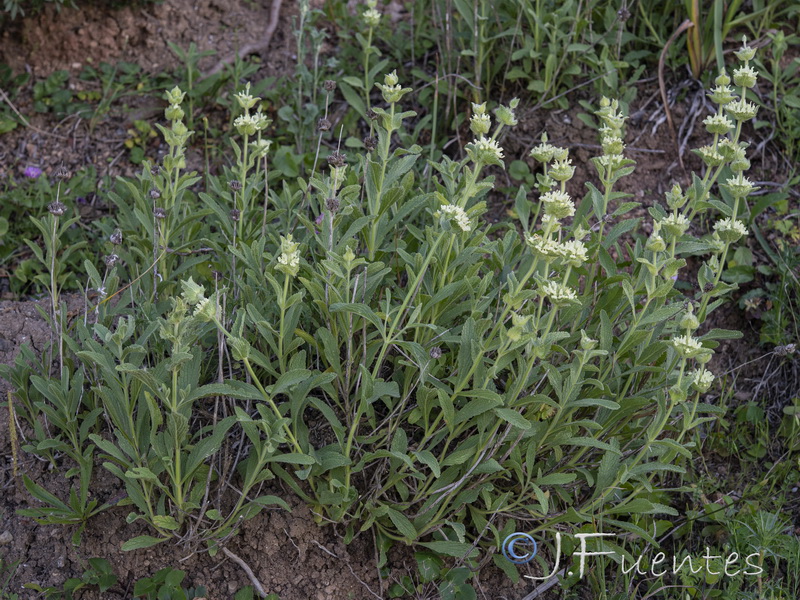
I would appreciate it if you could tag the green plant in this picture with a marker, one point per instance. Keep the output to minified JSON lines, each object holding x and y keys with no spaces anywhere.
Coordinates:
{"x":10,"y":84}
{"x":558,"y":44}
{"x":15,"y":8}
{"x":247,"y":593}
{"x":784,"y":98}
{"x":774,"y":302}
{"x":57,"y":422}
{"x":400,"y":365}
{"x":191,"y":73}
{"x":166,"y":585}
{"x":299,"y":110}
{"x":138,"y":137}
{"x":202,"y":90}
{"x":113,"y":84}
{"x":20,"y":8}
{"x":709,"y":26}
{"x":61,"y":404}
{"x":7,"y":570}
{"x":52,"y":230}
{"x":98,"y":574}
{"x":53,"y":95}
{"x":27,"y":198}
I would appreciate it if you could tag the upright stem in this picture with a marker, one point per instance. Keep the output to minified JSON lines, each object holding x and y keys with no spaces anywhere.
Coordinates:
{"x":177,"y":443}
{"x":375,"y":208}
{"x":281,"y":358}
{"x":54,"y":295}
{"x":367,"y":52}
{"x":266,"y":198}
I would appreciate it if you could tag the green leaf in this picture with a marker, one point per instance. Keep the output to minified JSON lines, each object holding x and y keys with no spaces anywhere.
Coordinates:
{"x":608,"y":469}
{"x":591,"y":442}
{"x":207,"y":446}
{"x":404,"y":526}
{"x":641,"y":506}
{"x":165,"y":522}
{"x":619,"y":229}
{"x":428,"y":459}
{"x":511,"y":416}
{"x":556,"y":479}
{"x":270,"y":500}
{"x":448,"y":410}
{"x":142,"y":541}
{"x":353,"y":99}
{"x":293,"y":458}
{"x":662,"y":314}
{"x":361,"y":310}
{"x":289,"y":379}
{"x":722,"y":334}
{"x":448,"y":548}
{"x":477,"y":406}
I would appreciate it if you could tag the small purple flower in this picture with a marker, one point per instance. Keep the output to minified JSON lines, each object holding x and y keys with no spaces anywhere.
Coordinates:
{"x":32,"y":172}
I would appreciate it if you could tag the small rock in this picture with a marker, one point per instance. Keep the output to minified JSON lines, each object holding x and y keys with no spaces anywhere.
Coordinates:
{"x":6,"y":538}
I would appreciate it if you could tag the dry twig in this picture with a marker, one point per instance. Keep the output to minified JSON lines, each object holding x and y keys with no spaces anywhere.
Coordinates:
{"x":683,"y":27}
{"x":252,"y":576}
{"x":274,"y":17}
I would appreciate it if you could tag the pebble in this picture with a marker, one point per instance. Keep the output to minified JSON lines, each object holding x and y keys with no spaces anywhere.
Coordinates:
{"x":6,"y":538}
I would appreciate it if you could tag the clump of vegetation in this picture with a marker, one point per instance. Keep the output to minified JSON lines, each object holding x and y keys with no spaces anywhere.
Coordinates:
{"x":395,"y":365}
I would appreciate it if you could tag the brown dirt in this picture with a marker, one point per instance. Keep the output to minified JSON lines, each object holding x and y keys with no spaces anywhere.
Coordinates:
{"x":141,"y":32}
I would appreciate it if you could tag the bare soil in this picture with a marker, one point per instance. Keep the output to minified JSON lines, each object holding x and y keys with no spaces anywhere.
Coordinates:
{"x":289,"y":553}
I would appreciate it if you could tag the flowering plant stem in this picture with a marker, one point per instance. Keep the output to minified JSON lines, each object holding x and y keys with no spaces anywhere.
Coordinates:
{"x":367,"y":82}
{"x":388,"y":340}
{"x":57,"y":324}
{"x":282,"y":305}
{"x":264,"y":394}
{"x":375,"y":204}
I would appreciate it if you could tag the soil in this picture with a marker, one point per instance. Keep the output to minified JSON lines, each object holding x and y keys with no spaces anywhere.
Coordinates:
{"x":289,"y":553}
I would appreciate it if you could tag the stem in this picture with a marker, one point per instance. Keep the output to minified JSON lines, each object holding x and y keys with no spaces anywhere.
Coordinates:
{"x":243,"y":175}
{"x":177,"y":443}
{"x":645,"y":449}
{"x":374,"y":209}
{"x":470,"y":186}
{"x":266,"y":199}
{"x":411,"y":292}
{"x":462,"y":384}
{"x":271,"y":403}
{"x":367,"y":52}
{"x":267,"y":398}
{"x":54,"y":293}
{"x":281,"y":357}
